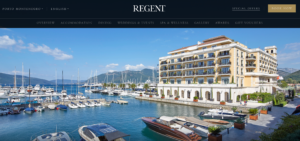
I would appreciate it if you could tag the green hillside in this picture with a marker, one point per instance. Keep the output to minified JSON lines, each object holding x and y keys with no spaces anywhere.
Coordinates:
{"x":9,"y":80}
{"x":294,"y":76}
{"x":283,"y":73}
{"x":135,"y":76}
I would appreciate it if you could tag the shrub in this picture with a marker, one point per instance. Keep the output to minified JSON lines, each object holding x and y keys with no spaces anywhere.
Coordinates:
{"x":253,"y":96}
{"x":163,"y":95}
{"x":288,"y":130}
{"x":253,"y":111}
{"x":222,"y":101}
{"x":234,"y":108}
{"x":244,"y":97}
{"x":239,"y":120}
{"x":195,"y":97}
{"x":264,"y":108}
{"x":260,"y":102}
{"x":214,"y":130}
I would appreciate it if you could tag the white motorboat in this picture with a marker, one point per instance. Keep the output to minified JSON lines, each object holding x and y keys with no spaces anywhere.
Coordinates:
{"x":38,"y":99}
{"x":14,"y":99}
{"x":227,"y":112}
{"x":89,"y":104}
{"x":4,"y":111}
{"x":2,"y":92}
{"x":106,"y":103}
{"x":80,"y":104}
{"x":81,"y":97}
{"x":106,"y":132}
{"x":96,"y":103}
{"x":22,"y":90}
{"x":52,"y":106}
{"x":72,"y":105}
{"x":43,"y":89}
{"x":48,"y":92}
{"x":40,"y":108}
{"x":57,"y":136}
{"x":37,"y":87}
{"x":124,"y":93}
{"x":215,"y":115}
{"x":64,"y":92}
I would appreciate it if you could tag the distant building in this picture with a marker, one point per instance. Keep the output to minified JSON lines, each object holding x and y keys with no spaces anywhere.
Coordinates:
{"x":212,"y":65}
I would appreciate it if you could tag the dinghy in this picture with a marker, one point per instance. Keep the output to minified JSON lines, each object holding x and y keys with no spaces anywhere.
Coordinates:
{"x":80,"y":104}
{"x":72,"y":105}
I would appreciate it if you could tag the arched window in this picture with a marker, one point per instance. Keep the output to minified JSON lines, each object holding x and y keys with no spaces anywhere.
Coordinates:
{"x":168,"y":92}
{"x":207,"y":95}
{"x":218,"y":96}
{"x":161,"y":92}
{"x":226,"y":98}
{"x":197,"y":94}
{"x":188,"y":94}
{"x":182,"y":93}
{"x":175,"y":93}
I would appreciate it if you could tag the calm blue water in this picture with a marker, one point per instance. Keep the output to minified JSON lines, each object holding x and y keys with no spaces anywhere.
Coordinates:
{"x":125,"y":118}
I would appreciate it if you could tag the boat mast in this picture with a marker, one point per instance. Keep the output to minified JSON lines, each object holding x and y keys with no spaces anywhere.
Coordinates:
{"x":77,"y":82}
{"x":56,"y":79}
{"x":29,"y":88}
{"x":22,"y":75}
{"x":15,"y":80}
{"x":62,"y":80}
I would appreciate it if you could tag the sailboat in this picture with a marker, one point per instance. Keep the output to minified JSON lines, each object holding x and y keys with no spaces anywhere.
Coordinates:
{"x":64,"y":92}
{"x":52,"y":106}
{"x":22,"y":90}
{"x":80,"y":96}
{"x":14,"y":90}
{"x":29,"y":110}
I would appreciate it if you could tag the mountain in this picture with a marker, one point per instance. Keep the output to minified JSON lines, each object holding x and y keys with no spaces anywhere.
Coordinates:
{"x":135,"y":76}
{"x":9,"y":80}
{"x":294,"y":76}
{"x":289,"y":70}
{"x":283,"y":73}
{"x":67,"y":81}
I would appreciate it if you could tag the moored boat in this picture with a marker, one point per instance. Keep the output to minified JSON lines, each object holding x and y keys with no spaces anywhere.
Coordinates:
{"x":100,"y":132}
{"x":72,"y":105}
{"x":57,"y":136}
{"x":61,"y":107}
{"x":40,"y":108}
{"x":215,"y":115}
{"x":169,"y":127}
{"x":80,"y":104}
{"x":29,"y":110}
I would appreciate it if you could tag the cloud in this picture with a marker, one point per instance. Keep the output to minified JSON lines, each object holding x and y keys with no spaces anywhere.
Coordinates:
{"x":137,"y":67}
{"x":111,"y":70}
{"x":186,"y":38}
{"x":5,"y":29}
{"x":112,"y":65}
{"x":12,"y":44}
{"x":293,"y":46}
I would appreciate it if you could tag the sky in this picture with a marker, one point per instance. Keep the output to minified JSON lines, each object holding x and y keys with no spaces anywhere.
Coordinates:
{"x":45,"y":50}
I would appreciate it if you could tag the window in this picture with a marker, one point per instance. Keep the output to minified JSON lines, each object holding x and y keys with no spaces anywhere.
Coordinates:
{"x":178,"y":66}
{"x":242,"y":54}
{"x":164,"y":74}
{"x":165,"y":81}
{"x":204,"y":47}
{"x":171,"y":67}
{"x":211,"y":55}
{"x":189,"y":80}
{"x":237,"y":53}
{"x":178,"y":73}
{"x":189,"y":65}
{"x":242,"y":71}
{"x":251,"y":55}
{"x":214,"y":46}
{"x":175,"y":53}
{"x":241,"y":62}
{"x":200,"y":64}
{"x":267,"y":51}
{"x":201,"y":56}
{"x":271,"y":51}
{"x":237,"y":61}
{"x":200,"y":80}
{"x":171,"y":73}
{"x":200,"y":72}
{"x":172,"y":81}
{"x":225,"y":80}
{"x":182,"y":52}
{"x":210,"y":63}
{"x":178,"y":81}
{"x":237,"y":81}
{"x":178,"y":59}
{"x":210,"y":71}
{"x":224,"y":61}
{"x":237,"y":70}
{"x":224,"y":53}
{"x":210,"y":80}
{"x":225,"y":70}
{"x":172,"y":60}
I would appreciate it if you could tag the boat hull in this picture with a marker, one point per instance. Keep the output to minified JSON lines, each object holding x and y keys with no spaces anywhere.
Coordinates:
{"x":29,"y":112}
{"x":165,"y":130}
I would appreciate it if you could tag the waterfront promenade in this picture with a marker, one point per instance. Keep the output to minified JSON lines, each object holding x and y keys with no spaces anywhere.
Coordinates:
{"x":205,"y":104}
{"x":253,"y":129}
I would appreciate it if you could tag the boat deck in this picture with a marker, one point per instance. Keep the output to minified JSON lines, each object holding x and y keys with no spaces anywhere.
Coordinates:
{"x":196,"y":121}
{"x":122,"y":102}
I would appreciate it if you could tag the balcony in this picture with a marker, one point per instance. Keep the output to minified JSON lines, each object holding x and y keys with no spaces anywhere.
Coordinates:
{"x":250,"y":57}
{"x":211,"y":65}
{"x":163,"y":76}
{"x":200,"y":66}
{"x":163,"y":63}
{"x":178,"y":61}
{"x":224,"y":64}
{"x":187,"y":60}
{"x":176,"y":75}
{"x":224,"y":73}
{"x":163,"y":69}
{"x":224,"y":55}
{"x":209,"y":73}
{"x":188,"y":68}
{"x":213,"y":56}
{"x":251,"y":65}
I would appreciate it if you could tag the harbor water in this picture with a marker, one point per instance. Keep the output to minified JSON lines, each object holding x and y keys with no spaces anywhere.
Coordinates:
{"x":126,"y":118}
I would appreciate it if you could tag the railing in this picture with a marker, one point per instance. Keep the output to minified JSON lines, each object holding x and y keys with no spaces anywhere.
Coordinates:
{"x":213,"y":64}
{"x":163,"y":63}
{"x":250,"y":65}
{"x":221,"y":72}
{"x":164,"y":76}
{"x":250,"y":57}
{"x":221,"y":55}
{"x":213,"y":56}
{"x":163,"y":69}
{"x":228,"y":63}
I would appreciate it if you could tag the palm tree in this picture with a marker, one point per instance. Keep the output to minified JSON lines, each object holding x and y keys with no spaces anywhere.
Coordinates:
{"x":133,"y":86}
{"x":114,"y":85}
{"x":104,"y":85}
{"x":146,"y":87}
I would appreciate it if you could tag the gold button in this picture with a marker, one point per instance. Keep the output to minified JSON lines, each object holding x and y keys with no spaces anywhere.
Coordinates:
{"x":281,"y":8}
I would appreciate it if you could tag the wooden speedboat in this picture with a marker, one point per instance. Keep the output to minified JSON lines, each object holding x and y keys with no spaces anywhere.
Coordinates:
{"x":168,"y":126}
{"x":216,"y":121}
{"x":215,"y":115}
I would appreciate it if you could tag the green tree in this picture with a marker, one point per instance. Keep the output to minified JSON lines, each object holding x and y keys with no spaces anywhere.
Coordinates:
{"x":283,"y":84}
{"x":232,"y":80}
{"x":146,"y":87}
{"x":289,"y":80}
{"x":133,"y":86}
{"x":104,"y":85}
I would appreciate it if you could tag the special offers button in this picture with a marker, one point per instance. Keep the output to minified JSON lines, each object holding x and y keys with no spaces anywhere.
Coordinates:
{"x":281,"y":8}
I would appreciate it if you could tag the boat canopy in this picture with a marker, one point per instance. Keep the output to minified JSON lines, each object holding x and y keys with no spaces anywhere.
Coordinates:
{"x":62,"y":106}
{"x":106,"y":130}
{"x":95,"y":100}
{"x":166,"y":118}
{"x":115,"y":135}
{"x":80,"y":101}
{"x":73,"y":103}
{"x":29,"y":109}
{"x":88,"y":101}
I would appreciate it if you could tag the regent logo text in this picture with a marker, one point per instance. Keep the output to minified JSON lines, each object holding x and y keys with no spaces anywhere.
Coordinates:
{"x":149,"y":8}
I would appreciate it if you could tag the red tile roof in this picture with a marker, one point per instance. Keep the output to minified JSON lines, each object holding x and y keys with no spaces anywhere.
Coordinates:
{"x":207,"y":41}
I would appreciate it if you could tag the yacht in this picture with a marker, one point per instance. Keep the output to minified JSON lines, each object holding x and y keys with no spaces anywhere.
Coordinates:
{"x":43,"y":89}
{"x":170,"y":127}
{"x":4,"y":111}
{"x":227,"y":112}
{"x":22,"y":90}
{"x":100,"y":132}
{"x":52,"y":106}
{"x":37,"y":87}
{"x":96,"y":103}
{"x":72,"y":105}
{"x":29,"y":110}
{"x":48,"y":92}
{"x":80,"y":104}
{"x":38,"y":99}
{"x":89,"y":104}
{"x":40,"y":108}
{"x":215,"y":115}
{"x":2,"y":92}
{"x":61,"y":107}
{"x":14,"y":99}
{"x":57,"y":136}
{"x":29,"y":88}
{"x":81,"y":97}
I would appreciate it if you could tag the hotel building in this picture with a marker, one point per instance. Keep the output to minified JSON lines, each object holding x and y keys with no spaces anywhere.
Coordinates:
{"x":217,"y":69}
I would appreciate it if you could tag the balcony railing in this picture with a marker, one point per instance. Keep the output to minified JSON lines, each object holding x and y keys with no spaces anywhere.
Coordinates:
{"x":223,"y":55}
{"x":228,"y":63}
{"x":213,"y":64}
{"x":163,"y":69}
{"x":175,"y":75}
{"x":163,"y":75}
{"x":213,"y":56}
{"x":250,"y":65}
{"x":250,"y":57}
{"x":224,"y":72}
